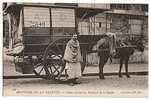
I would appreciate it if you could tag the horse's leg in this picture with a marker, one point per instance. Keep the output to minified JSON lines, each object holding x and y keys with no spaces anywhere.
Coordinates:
{"x":121,"y":63}
{"x":126,"y":66}
{"x":101,"y":65}
{"x":83,"y":63}
{"x":102,"y":60}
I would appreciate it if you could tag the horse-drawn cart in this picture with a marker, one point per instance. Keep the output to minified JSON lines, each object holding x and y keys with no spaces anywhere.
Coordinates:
{"x":38,"y":35}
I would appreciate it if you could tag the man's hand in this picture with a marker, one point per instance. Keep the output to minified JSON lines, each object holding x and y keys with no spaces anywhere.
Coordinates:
{"x":74,"y":60}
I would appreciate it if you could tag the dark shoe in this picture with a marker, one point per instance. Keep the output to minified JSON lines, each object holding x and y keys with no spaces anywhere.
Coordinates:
{"x":76,"y":82}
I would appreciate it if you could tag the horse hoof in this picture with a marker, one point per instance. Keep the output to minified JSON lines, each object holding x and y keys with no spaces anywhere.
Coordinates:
{"x":101,"y":77}
{"x":128,"y":76}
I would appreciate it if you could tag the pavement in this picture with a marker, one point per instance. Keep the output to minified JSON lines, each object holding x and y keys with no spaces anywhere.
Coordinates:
{"x":112,"y":86}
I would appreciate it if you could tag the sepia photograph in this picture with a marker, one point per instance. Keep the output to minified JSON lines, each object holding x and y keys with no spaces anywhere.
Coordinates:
{"x":75,"y":49}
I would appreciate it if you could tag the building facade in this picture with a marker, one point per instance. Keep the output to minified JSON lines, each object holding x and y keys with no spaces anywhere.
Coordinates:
{"x":122,"y":19}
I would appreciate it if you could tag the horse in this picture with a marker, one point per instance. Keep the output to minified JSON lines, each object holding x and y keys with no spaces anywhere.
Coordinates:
{"x":125,"y":52}
{"x":109,"y":47}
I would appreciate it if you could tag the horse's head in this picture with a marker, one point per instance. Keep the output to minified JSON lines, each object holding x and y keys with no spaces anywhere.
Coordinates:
{"x":139,"y":45}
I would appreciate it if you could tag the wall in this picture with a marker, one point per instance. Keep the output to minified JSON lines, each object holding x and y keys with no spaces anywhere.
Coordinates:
{"x":94,"y":25}
{"x":94,"y":5}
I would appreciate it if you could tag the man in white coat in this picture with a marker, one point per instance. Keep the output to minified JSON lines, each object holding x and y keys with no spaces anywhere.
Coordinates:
{"x":72,"y":56}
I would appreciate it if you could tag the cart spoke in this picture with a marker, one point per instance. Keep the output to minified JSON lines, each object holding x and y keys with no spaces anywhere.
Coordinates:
{"x":47,"y":71}
{"x":50,"y":68}
{"x":41,"y":70}
{"x":56,"y":69}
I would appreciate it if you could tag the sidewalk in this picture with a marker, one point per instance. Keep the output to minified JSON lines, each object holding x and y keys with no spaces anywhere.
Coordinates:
{"x":110,"y":68}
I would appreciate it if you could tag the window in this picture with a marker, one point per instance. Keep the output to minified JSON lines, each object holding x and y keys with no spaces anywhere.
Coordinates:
{"x":145,"y":7}
{"x":120,"y":6}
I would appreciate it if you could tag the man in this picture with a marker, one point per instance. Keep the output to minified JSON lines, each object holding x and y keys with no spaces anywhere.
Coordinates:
{"x":72,"y":56}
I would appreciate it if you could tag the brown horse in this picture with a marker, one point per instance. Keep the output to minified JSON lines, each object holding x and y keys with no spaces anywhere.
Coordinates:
{"x":108,"y":48}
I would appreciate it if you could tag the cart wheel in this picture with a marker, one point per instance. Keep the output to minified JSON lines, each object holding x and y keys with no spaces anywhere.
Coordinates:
{"x":51,"y":67}
{"x":54,"y":65}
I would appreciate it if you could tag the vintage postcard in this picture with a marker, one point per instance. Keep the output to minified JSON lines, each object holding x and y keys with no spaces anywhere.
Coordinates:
{"x":75,"y":49}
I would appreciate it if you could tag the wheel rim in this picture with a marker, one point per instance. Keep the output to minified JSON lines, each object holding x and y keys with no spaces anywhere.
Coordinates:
{"x":52,"y":65}
{"x":51,"y":68}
